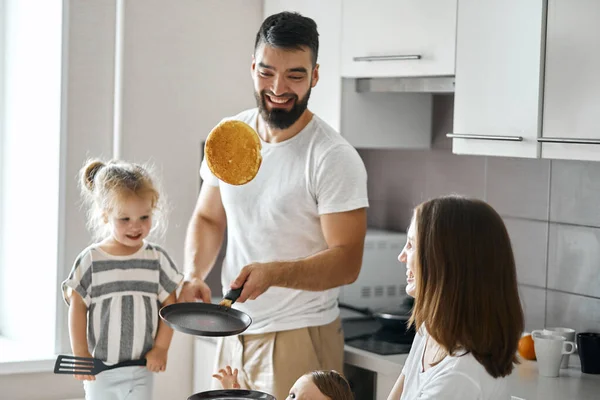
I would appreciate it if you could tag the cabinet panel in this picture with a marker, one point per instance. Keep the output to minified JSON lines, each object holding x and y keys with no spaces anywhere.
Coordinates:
{"x":383,"y":38}
{"x":385,"y":384}
{"x":366,"y":120}
{"x":572,"y":82}
{"x":325,"y":98}
{"x":205,"y":353}
{"x":499,"y":71}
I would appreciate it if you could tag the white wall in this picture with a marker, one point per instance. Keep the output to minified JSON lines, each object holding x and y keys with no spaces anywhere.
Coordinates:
{"x":186,"y":65}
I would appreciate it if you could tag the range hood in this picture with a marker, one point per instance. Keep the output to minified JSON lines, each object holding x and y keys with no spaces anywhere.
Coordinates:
{"x":422,"y":84}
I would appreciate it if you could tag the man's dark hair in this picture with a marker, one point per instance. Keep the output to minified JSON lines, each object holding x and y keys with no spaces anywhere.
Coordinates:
{"x":289,"y":30}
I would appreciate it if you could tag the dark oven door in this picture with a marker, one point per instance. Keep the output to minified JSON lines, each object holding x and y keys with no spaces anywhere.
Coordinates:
{"x":362,"y":381}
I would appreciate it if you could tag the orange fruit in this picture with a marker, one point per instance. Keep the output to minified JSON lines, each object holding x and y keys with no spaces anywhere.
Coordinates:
{"x":526,"y":347}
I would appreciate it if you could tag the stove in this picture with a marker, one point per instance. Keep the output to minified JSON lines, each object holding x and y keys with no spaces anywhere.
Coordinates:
{"x":368,"y":334}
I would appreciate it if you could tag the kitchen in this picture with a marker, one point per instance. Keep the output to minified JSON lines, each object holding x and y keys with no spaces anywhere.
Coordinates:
{"x":549,"y":196}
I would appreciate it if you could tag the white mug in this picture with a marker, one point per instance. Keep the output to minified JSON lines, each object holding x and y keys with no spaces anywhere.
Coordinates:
{"x":549,"y":350}
{"x":568,"y":334}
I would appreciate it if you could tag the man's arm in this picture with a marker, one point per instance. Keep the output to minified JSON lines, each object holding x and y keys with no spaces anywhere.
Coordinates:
{"x":203,"y":241}
{"x":338,"y":265}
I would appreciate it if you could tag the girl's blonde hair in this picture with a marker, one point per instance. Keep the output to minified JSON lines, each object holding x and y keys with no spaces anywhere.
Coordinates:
{"x":105,"y":185}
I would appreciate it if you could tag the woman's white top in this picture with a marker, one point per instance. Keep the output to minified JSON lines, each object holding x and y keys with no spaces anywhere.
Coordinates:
{"x":455,"y":377}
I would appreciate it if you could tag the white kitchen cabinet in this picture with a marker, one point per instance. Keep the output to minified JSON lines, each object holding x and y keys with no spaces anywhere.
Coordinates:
{"x":205,"y":353}
{"x":325,"y":98}
{"x":385,"y":383}
{"x":398,"y":38}
{"x":366,"y":120}
{"x":572,"y":81}
{"x":499,"y":72}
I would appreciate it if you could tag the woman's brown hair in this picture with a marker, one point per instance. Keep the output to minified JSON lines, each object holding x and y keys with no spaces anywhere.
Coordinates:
{"x":466,"y":283}
{"x":332,"y":384}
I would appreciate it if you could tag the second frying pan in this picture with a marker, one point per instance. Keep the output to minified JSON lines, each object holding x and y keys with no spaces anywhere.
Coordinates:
{"x":205,"y":319}
{"x":233,"y":394}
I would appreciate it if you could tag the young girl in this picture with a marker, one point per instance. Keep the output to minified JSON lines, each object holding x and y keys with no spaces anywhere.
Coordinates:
{"x":316,"y":385}
{"x":118,"y":284}
{"x":461,"y":271}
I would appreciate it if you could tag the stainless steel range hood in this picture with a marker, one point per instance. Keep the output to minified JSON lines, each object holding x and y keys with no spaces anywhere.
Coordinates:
{"x":425,"y":84}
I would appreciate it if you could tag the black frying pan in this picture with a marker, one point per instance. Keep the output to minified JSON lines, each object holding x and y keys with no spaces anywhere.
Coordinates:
{"x":395,"y":319}
{"x":205,"y":319}
{"x":233,"y":394}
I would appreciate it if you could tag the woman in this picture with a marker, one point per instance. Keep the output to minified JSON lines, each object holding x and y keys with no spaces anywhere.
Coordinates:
{"x":461,"y":272}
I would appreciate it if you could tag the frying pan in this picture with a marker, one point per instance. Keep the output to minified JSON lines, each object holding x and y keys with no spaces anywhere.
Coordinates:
{"x":205,"y":319}
{"x":231,"y":395}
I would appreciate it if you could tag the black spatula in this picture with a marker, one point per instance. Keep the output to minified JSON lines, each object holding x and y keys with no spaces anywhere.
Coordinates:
{"x":88,"y":366}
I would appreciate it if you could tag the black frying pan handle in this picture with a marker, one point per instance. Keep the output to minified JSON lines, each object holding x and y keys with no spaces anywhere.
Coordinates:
{"x":234,"y":294}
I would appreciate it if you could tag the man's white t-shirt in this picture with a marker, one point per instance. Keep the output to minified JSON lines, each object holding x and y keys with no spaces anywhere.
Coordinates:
{"x":275,"y":217}
{"x":459,"y":377}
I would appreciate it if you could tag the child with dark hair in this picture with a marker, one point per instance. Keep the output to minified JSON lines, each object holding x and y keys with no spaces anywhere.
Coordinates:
{"x":315,"y":385}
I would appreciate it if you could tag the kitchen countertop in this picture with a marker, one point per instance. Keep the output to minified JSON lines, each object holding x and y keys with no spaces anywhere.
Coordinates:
{"x":524,"y":382}
{"x":387,"y":365}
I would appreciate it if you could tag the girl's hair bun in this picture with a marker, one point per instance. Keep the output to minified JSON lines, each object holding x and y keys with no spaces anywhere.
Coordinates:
{"x":89,"y":173}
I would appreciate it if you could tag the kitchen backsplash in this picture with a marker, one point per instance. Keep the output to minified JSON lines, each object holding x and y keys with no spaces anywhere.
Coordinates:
{"x":551,"y":210}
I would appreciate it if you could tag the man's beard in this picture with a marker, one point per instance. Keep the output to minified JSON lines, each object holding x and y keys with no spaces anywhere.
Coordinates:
{"x":279,"y":118}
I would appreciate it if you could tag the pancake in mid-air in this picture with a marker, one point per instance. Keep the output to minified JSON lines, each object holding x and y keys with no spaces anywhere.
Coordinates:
{"x":232,"y":152}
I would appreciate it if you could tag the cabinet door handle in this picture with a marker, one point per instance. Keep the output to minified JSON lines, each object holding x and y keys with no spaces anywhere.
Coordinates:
{"x":485,"y":137}
{"x":396,"y":57}
{"x":569,"y":140}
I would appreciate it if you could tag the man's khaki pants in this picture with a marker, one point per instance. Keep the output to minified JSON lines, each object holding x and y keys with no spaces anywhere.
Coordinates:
{"x":272,"y":362}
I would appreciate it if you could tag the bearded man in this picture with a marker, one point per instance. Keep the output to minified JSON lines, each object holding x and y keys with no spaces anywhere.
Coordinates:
{"x":295,"y":233}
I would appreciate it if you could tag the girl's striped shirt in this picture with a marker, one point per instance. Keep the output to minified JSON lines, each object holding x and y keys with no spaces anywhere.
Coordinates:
{"x":123,"y":295}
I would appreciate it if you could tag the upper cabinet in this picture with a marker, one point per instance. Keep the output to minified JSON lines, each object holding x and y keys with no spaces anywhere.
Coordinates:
{"x":325,"y":98}
{"x":525,"y":71}
{"x":572,"y":81}
{"x":499,"y":76}
{"x":366,"y":120}
{"x":398,"y":38}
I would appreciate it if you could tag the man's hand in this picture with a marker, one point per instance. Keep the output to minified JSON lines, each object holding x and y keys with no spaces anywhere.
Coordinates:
{"x":193,"y":290}
{"x":256,"y":279}
{"x":228,"y":378}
